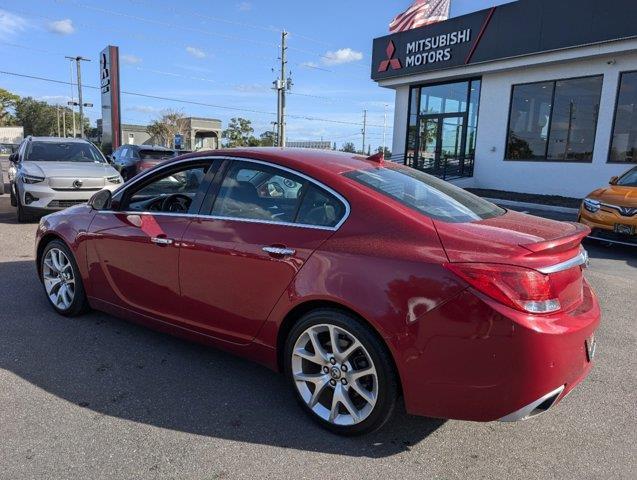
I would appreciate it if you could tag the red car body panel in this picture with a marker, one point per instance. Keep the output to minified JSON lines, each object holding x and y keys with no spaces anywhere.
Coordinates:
{"x":459,"y":354}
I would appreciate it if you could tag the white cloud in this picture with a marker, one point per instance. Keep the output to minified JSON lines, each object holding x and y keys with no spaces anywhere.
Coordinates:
{"x":10,"y":24}
{"x":196,"y":52}
{"x":343,"y":55}
{"x":62,"y":27}
{"x":244,"y":6}
{"x":131,"y":59}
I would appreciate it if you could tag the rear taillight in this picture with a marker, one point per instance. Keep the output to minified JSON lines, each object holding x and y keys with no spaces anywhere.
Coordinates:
{"x":518,"y":287}
{"x":141,"y":166}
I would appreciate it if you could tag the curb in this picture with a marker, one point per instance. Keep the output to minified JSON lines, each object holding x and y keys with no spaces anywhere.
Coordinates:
{"x":533,"y":206}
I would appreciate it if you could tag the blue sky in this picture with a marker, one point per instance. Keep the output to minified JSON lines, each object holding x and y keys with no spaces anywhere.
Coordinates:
{"x":213,"y":52}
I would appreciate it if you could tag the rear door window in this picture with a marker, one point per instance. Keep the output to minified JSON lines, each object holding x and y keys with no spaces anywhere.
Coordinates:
{"x":428,"y":195}
{"x":259,"y":192}
{"x":255,"y":192}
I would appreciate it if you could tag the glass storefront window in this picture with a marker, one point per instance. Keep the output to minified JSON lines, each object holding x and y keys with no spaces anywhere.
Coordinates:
{"x":445,"y":98}
{"x":555,"y":121}
{"x":624,"y":139}
{"x":442,"y":127}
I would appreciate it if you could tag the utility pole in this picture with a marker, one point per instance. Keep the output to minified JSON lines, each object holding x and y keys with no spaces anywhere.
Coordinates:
{"x":72,"y":103}
{"x":81,"y":104}
{"x":57,"y":110}
{"x":364,"y":131}
{"x":64,"y":122}
{"x":384,"y":130}
{"x":281,"y":85}
{"x":274,"y":134}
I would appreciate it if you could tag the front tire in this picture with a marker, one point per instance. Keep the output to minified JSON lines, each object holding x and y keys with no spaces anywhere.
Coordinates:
{"x":62,"y":280}
{"x":23,"y":217}
{"x":341,"y":372}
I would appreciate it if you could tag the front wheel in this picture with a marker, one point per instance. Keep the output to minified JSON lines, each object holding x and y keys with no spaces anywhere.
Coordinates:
{"x":62,"y":280}
{"x":342,"y":374}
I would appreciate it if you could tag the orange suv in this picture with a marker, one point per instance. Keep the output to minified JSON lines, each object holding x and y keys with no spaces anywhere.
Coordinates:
{"x":611,"y":211}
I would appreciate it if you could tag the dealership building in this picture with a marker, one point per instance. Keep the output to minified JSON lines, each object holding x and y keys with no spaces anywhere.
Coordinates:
{"x":534,"y":96}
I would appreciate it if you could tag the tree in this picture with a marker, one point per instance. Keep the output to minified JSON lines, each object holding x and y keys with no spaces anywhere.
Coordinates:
{"x":169,"y":124}
{"x":239,"y":133}
{"x":348,"y":147}
{"x":8,"y":102}
{"x":37,"y":118}
{"x":267,"y":139}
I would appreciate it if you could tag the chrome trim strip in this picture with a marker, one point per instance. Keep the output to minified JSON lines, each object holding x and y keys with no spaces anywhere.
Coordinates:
{"x":621,"y":210}
{"x":214,"y":217}
{"x":527,"y":411}
{"x":247,"y":220}
{"x":580,"y":259}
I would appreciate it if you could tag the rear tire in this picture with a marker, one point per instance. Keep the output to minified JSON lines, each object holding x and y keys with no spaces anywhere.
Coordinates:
{"x":350,"y":390}
{"x":62,"y":280}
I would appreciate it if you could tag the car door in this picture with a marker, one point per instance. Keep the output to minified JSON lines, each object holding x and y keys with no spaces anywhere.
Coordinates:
{"x":249,"y":242}
{"x":133,"y":249}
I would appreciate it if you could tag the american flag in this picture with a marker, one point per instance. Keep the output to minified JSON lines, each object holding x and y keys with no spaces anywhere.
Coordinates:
{"x":420,"y":13}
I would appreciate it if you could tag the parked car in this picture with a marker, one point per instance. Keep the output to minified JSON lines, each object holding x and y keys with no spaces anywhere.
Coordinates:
{"x":361,"y":280}
{"x":611,"y":212}
{"x":52,"y":173}
{"x":129,"y":160}
{"x":1,"y":181}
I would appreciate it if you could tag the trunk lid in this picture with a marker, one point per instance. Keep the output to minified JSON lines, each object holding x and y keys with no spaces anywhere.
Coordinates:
{"x":551,"y":247}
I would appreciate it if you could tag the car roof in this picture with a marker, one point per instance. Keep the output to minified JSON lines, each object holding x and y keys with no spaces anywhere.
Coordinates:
{"x":158,"y":148}
{"x":58,"y":140}
{"x":311,"y":161}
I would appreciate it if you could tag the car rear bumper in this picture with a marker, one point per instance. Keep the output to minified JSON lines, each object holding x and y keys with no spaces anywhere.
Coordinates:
{"x":494,"y":362}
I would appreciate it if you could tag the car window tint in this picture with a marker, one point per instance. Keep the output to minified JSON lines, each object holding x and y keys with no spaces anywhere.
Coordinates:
{"x":320,"y":208}
{"x":629,"y":179}
{"x":430,"y":196}
{"x":258,"y":193}
{"x":81,"y":152}
{"x":149,"y":196}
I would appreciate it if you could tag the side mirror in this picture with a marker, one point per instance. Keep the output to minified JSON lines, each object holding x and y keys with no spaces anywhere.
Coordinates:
{"x":613,"y":180}
{"x":101,"y":200}
{"x":13,"y":158}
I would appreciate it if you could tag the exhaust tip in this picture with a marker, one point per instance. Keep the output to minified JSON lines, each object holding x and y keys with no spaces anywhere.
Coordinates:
{"x":535,"y":408}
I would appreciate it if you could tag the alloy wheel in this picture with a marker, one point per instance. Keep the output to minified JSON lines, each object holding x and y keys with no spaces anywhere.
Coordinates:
{"x":59,"y":279}
{"x":334,"y":374}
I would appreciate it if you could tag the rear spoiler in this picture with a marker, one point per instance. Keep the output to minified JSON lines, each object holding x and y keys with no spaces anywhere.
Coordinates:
{"x":560,"y":244}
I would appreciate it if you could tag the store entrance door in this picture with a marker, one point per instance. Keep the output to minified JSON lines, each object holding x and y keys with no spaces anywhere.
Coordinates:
{"x":441,"y":143}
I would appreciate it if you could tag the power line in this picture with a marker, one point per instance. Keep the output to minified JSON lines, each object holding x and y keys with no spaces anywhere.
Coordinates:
{"x":164,"y":24}
{"x":190,"y":102}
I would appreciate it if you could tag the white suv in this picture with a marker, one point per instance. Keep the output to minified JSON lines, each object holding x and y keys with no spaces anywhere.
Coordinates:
{"x":51,"y":173}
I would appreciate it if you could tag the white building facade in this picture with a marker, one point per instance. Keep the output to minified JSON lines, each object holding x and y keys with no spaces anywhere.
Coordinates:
{"x":519,"y":106}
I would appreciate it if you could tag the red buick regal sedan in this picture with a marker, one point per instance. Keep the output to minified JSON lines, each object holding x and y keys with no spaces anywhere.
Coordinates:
{"x":365,"y":282}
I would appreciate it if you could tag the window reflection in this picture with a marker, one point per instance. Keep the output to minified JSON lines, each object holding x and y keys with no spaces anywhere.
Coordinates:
{"x":624,"y":140}
{"x":554,"y":120}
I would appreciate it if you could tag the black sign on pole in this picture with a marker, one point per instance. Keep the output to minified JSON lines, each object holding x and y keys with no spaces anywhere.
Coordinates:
{"x":111,"y":110}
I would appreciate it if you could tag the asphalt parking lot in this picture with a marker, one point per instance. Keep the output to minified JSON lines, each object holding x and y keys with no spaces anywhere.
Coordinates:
{"x":96,"y":397}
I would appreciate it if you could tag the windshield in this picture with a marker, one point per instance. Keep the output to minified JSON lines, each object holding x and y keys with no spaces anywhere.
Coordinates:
{"x":629,"y":179}
{"x":428,"y":195}
{"x":63,"y":152}
{"x":156,"y":154}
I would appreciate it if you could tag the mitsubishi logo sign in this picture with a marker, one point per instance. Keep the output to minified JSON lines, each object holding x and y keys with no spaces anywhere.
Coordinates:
{"x":390,"y":61}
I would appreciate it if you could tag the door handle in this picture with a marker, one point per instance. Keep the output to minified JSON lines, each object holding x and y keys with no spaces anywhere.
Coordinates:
{"x":279,"y":251}
{"x":161,"y":241}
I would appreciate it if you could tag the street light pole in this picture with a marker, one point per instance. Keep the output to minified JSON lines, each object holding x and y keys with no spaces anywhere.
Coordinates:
{"x":364,"y":129}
